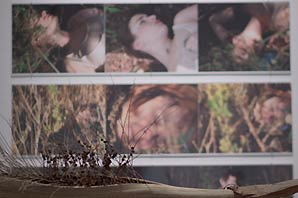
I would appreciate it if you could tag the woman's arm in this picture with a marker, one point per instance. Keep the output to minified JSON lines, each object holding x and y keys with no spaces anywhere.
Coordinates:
{"x":217,"y":21}
{"x":189,"y":14}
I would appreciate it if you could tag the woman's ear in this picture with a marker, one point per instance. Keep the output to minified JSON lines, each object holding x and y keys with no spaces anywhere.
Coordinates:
{"x":234,"y":40}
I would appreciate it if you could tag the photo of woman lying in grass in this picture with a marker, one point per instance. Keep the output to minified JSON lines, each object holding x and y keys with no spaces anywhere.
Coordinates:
{"x":245,"y":37}
{"x":58,"y":38}
{"x":152,"y":118}
{"x":236,"y":118}
{"x":163,"y":33}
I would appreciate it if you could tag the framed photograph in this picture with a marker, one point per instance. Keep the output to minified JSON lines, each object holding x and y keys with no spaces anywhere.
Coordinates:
{"x":57,"y":118}
{"x":244,"y":37}
{"x":152,"y":38}
{"x":239,"y":117}
{"x":152,"y":118}
{"x":51,"y":38}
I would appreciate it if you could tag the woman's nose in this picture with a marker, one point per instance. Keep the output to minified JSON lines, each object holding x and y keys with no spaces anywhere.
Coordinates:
{"x":44,"y":13}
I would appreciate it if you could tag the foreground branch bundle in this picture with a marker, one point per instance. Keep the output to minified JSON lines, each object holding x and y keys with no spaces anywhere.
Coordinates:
{"x":14,"y":188}
{"x":282,"y":189}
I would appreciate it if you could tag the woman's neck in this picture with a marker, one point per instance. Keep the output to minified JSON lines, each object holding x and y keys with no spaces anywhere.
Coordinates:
{"x":61,"y":38}
{"x":161,"y":51}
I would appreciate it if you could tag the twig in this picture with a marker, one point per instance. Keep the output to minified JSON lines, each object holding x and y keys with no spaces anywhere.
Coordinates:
{"x":46,"y":59}
{"x":252,"y":129}
{"x":205,"y":136}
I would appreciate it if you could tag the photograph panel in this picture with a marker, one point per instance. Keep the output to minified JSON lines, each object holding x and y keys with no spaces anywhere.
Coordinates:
{"x":152,"y":118}
{"x":57,"y":118}
{"x":236,"y":118}
{"x":51,"y":38}
{"x":244,"y":37}
{"x":152,"y":38}
{"x":215,"y":177}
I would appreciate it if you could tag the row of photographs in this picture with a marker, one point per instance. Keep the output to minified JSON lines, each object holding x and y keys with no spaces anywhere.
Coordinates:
{"x":183,"y":38}
{"x":153,"y":119}
{"x":214,"y":177}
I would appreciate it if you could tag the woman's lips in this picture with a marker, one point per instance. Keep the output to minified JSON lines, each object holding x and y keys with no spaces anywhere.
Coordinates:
{"x":157,"y":21}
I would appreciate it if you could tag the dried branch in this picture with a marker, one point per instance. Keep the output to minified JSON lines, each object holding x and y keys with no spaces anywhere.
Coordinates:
{"x":282,"y":189}
{"x":206,"y":135}
{"x":12,"y":187}
{"x":252,"y":129}
{"x":212,"y":141}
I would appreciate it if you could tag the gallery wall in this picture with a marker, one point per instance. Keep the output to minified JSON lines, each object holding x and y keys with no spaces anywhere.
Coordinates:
{"x":15,"y":83}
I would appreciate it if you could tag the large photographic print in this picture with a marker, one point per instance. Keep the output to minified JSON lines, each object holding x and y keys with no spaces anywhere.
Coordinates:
{"x":57,"y":118}
{"x":152,"y":38}
{"x":244,"y":37}
{"x":152,"y":118}
{"x":58,"y":38}
{"x":235,"y":118}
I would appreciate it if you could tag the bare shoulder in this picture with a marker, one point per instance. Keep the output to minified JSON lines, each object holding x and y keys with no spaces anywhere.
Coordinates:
{"x":189,"y":14}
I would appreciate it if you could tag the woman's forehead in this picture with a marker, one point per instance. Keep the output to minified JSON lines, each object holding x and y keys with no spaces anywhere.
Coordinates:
{"x":134,"y":22}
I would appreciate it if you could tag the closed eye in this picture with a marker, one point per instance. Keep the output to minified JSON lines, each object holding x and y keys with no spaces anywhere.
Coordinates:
{"x":141,"y":20}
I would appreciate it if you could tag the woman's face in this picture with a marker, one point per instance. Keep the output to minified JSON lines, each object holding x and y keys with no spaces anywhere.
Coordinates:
{"x":155,"y":124}
{"x":241,"y":50}
{"x":160,"y":122}
{"x":244,"y":47}
{"x":147,"y":29}
{"x":49,"y":25}
{"x":272,"y":109}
